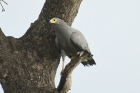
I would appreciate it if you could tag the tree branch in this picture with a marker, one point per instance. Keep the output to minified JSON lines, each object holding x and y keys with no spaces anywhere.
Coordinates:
{"x":2,"y":5}
{"x":66,"y":81}
{"x":28,"y":64}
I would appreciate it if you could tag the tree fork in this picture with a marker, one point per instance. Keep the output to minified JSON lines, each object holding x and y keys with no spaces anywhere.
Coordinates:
{"x":28,"y":64}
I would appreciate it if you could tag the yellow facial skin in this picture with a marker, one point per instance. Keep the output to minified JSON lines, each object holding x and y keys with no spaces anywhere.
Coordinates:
{"x":53,"y":20}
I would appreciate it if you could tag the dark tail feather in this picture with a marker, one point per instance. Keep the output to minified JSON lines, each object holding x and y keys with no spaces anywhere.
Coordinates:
{"x":89,"y":62}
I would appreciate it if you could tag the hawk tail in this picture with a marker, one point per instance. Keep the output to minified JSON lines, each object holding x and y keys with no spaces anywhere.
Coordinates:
{"x":89,"y":61}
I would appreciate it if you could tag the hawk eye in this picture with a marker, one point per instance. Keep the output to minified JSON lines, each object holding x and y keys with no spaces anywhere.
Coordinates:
{"x":54,"y":20}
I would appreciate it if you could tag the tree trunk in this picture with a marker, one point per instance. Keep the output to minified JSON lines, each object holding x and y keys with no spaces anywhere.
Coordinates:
{"x":28,"y":64}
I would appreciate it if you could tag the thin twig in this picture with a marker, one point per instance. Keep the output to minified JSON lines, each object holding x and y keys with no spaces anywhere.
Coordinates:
{"x":2,"y":5}
{"x":4,"y":2}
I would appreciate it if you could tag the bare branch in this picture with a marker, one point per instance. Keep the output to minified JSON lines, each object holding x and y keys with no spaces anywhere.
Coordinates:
{"x":2,"y":5}
{"x":66,"y":81}
{"x":4,"y":2}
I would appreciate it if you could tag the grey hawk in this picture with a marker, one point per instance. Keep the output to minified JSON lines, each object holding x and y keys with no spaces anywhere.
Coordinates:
{"x":70,"y":41}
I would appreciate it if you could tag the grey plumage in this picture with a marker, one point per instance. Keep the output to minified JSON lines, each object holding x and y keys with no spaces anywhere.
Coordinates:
{"x":70,"y":41}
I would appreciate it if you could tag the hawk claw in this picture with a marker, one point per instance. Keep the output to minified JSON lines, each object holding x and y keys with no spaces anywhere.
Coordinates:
{"x":80,"y":53}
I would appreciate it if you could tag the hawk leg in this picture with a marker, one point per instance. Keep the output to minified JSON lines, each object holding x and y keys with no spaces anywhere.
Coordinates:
{"x":63,"y":59}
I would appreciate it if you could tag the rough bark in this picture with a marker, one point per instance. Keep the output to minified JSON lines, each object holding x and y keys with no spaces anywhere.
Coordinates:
{"x":28,"y":64}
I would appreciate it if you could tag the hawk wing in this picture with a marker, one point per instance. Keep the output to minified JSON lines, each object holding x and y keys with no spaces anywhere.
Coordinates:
{"x":79,"y":40}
